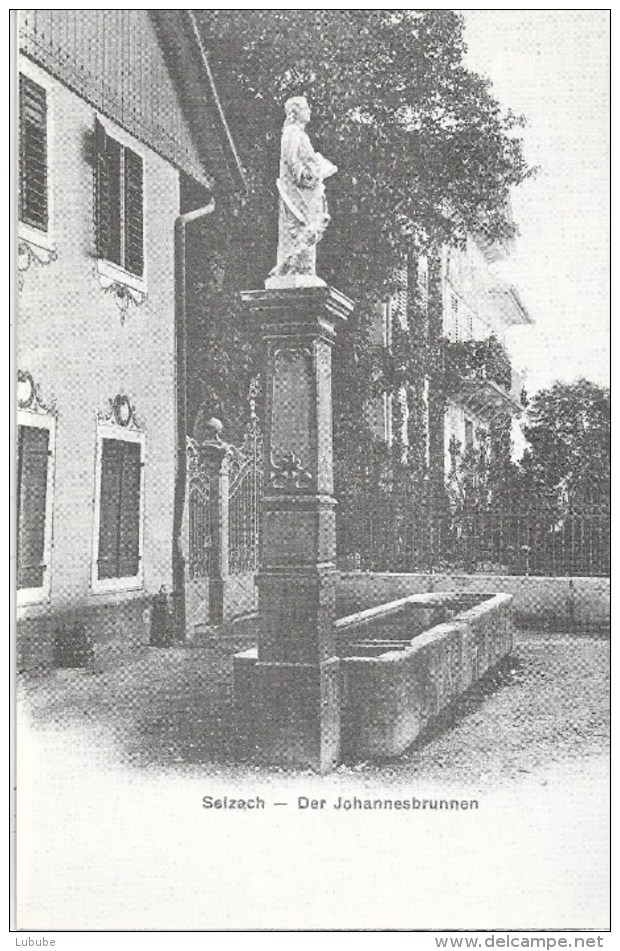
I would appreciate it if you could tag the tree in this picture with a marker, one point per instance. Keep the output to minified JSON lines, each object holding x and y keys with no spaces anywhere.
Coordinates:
{"x":425,"y":156}
{"x":423,"y":148}
{"x":425,"y":152}
{"x":568,"y":459}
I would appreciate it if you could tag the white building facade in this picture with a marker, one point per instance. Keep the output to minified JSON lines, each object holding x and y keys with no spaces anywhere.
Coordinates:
{"x":107,"y":139}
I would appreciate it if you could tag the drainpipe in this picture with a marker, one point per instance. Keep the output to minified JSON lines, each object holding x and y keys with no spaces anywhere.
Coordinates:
{"x":180,"y":323}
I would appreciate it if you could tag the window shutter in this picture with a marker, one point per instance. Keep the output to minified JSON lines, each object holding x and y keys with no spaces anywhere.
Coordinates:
{"x":399,"y":301}
{"x":129,"y":516}
{"x":108,"y":187}
{"x":422,"y":282}
{"x":32,"y":463}
{"x":102,"y":223}
{"x":456,"y":325}
{"x":469,"y":434}
{"x":470,"y":324}
{"x":134,"y":213}
{"x":114,"y":159}
{"x":119,"y":509}
{"x":120,"y":203}
{"x":33,"y":199}
{"x":109,"y":507}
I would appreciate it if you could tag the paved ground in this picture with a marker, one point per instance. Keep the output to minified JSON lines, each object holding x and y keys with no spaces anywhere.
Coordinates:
{"x":548,"y":704}
{"x":112,"y":833}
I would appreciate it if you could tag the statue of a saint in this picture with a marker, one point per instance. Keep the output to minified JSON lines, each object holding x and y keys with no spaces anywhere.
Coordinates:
{"x":303,"y":214}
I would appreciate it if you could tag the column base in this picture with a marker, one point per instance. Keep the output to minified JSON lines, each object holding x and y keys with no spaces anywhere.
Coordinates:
{"x":288,"y":714}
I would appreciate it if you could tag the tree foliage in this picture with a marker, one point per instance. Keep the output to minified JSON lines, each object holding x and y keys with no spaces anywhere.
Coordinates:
{"x":486,"y":359}
{"x":425,"y":153}
{"x":568,"y":432}
{"x":423,"y":148}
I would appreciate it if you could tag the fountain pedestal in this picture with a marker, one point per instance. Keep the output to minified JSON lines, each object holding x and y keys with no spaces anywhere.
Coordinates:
{"x":287,"y":693}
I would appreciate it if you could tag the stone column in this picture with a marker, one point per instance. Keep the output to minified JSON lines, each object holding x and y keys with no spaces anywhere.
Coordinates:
{"x":287,"y":694}
{"x":213,"y":454}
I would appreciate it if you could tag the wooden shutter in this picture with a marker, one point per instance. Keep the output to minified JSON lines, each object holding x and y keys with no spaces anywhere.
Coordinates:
{"x":32,"y":464}
{"x":134,"y":213}
{"x":129,"y":517}
{"x":456,"y":323}
{"x":422,"y":282}
{"x":108,"y":196}
{"x":401,"y":297}
{"x":109,"y":507}
{"x":114,"y":158}
{"x":102,"y":197}
{"x":33,"y":199}
{"x":119,"y":509}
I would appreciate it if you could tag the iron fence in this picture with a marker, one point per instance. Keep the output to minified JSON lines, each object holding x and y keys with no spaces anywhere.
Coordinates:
{"x":245,"y":489}
{"x":199,"y":512}
{"x":380,"y":533}
{"x":537,"y":541}
{"x":244,"y":495}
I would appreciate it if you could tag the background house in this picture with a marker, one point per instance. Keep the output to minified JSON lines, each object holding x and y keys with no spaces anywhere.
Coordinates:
{"x":478,"y":307}
{"x":120,"y":133}
{"x":460,"y":307}
{"x":441,"y":409}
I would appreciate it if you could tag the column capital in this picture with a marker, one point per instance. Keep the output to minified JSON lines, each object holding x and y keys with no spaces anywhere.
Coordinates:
{"x":213,"y":455}
{"x":300,"y":311}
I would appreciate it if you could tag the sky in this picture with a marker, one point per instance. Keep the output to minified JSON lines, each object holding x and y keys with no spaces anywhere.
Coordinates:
{"x":552,"y":66}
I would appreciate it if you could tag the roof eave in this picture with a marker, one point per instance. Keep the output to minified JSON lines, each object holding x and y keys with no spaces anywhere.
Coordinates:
{"x":191,"y":74}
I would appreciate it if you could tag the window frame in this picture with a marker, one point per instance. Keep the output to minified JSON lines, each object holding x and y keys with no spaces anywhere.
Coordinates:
{"x":40,"y":420}
{"x":388,"y":410}
{"x":388,"y":326}
{"x":110,"y":430}
{"x":455,"y":315}
{"x":26,"y":232}
{"x":426,"y":403}
{"x":108,"y":271}
{"x":469,"y":430}
{"x":423,"y":287}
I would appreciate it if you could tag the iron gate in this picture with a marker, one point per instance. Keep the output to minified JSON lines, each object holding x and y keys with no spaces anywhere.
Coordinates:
{"x":244,"y":484}
{"x":245,"y":492}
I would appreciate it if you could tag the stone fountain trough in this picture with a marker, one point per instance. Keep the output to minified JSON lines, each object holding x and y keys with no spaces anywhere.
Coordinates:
{"x":404,"y":662}
{"x":401,"y":664}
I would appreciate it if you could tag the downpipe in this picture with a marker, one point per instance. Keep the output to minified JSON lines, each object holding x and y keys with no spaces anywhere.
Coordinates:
{"x":180,"y":323}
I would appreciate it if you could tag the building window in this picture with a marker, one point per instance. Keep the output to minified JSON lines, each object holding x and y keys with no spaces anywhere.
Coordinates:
{"x":470,"y":324}
{"x":454,"y":307}
{"x":387,"y":324}
{"x":380,"y":330}
{"x":427,"y":420}
{"x":388,"y":410}
{"x":35,"y":444}
{"x":117,"y":561}
{"x":403,"y":435}
{"x":33,"y":184}
{"x":423,"y":282}
{"x":398,"y":304}
{"x":120,"y":203}
{"x":469,"y":434}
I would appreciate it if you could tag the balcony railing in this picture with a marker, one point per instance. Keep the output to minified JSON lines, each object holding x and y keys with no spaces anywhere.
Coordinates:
{"x":479,"y":374}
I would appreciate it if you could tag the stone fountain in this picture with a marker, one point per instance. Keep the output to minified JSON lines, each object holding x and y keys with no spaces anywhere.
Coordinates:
{"x":315,"y":686}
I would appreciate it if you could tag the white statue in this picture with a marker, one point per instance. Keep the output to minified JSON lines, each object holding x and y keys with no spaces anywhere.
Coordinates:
{"x":303,"y":214}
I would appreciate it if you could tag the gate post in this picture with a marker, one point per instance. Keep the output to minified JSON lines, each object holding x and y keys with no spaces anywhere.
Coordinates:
{"x":214,"y":454}
{"x":287,"y":695}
